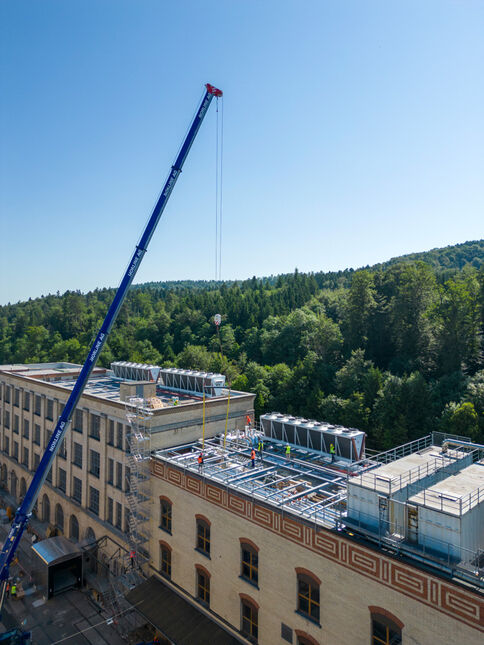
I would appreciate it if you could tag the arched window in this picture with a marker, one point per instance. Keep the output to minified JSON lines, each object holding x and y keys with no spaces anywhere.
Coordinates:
{"x":45,"y":509}
{"x":90,"y":535}
{"x":249,"y":617}
{"x":165,"y":559}
{"x":59,"y":518}
{"x":305,"y":639}
{"x":165,"y":513}
{"x":23,"y":487}
{"x":13,"y":485}
{"x":386,"y":629}
{"x":249,"y":561}
{"x":203,"y":584}
{"x":74,"y":528}
{"x":308,"y":594}
{"x":4,"y":475}
{"x":203,"y":535}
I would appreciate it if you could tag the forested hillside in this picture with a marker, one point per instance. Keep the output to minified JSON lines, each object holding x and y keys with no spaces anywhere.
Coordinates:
{"x":395,"y":350}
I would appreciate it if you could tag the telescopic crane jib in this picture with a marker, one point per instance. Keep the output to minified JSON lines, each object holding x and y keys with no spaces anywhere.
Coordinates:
{"x":25,"y":509}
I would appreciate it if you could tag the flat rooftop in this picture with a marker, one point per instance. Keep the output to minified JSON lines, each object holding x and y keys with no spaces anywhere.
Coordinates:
{"x":457,"y":494}
{"x":396,"y":475}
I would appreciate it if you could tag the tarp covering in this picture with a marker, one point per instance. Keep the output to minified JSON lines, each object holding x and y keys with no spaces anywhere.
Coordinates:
{"x":175,"y":617}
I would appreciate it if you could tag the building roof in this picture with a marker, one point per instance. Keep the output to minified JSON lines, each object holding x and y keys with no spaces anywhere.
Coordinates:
{"x":55,"y":550}
{"x":175,"y":617}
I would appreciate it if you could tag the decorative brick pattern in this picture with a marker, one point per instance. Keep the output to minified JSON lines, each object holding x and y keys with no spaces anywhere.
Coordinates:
{"x":451,"y":600}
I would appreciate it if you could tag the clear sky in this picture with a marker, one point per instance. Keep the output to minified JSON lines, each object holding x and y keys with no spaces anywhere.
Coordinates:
{"x":354,"y":132}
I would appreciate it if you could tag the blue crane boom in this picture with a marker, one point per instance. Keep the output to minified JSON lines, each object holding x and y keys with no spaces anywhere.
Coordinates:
{"x":25,"y":509}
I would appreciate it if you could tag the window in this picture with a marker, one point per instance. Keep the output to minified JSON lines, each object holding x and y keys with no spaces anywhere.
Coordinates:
{"x":50,"y":410}
{"x":37,"y":434}
{"x":15,"y":450}
{"x":77,"y":425}
{"x":77,"y":489}
{"x":26,"y":429}
{"x":94,"y":500}
{"x":16,"y":397}
{"x":127,"y":476}
{"x":95,"y":428}
{"x":36,"y":461}
{"x":27,"y":401}
{"x":305,"y":639}
{"x":62,"y":449}
{"x":386,"y":629}
{"x":308,"y":594}
{"x":165,"y":514}
{"x":203,"y":535}
{"x":7,"y":419}
{"x":119,"y":516}
{"x":119,"y":437}
{"x":61,"y":480}
{"x":126,"y":519}
{"x":110,"y":471}
{"x":6,"y":445}
{"x":119,"y":475}
{"x":15,"y":423}
{"x":47,"y":436}
{"x":37,"y":404}
{"x":49,"y":475}
{"x":7,"y":394}
{"x":94,"y":463}
{"x":110,"y":511}
{"x":165,"y":560}
{"x":25,"y":457}
{"x":111,"y":433}
{"x":249,"y":565}
{"x":249,"y":611}
{"x":77,"y":455}
{"x":203,"y":585}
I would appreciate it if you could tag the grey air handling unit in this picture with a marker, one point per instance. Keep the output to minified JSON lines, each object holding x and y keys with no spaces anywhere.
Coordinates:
{"x":349,"y":443}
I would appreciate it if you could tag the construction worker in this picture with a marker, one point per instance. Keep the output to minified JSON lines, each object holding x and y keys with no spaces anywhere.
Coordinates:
{"x":247,"y":418}
{"x":14,"y":590}
{"x":131,"y":557}
{"x":200,"y":462}
{"x":7,"y":589}
{"x":260,"y":448}
{"x":332,"y":452}
{"x":252,"y":458}
{"x":288,"y":451}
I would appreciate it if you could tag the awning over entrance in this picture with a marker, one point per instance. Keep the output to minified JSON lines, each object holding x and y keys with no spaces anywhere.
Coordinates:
{"x":175,"y":617}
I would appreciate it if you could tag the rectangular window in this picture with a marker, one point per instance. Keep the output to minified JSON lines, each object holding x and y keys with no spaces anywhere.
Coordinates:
{"x":16,"y":397}
{"x":37,"y":434}
{"x":94,"y":500}
{"x":62,"y":480}
{"x":15,"y":423}
{"x":49,"y":475}
{"x":77,"y":425}
{"x":62,"y":450}
{"x":165,"y":557}
{"x":110,"y":511}
{"x":110,"y":478}
{"x":111,"y":433}
{"x":7,"y":419}
{"x":36,"y":460}
{"x":77,"y":489}
{"x":95,"y":427}
{"x":77,"y":455}
{"x":127,"y":479}
{"x":126,"y":519}
{"x":6,"y":445}
{"x":27,"y":401}
{"x":25,"y":457}
{"x":47,"y":436}
{"x":119,"y":475}
{"x":38,"y":404}
{"x":49,"y":414}
{"x":15,"y":450}
{"x":26,"y":430}
{"x":7,"y":393}
{"x":203,"y":587}
{"x":119,"y":437}
{"x":119,"y":516}
{"x":94,"y":463}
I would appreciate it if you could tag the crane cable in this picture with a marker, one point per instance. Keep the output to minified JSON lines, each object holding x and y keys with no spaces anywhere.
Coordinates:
{"x":219,"y":145}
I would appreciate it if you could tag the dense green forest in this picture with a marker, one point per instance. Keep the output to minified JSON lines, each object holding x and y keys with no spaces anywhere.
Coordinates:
{"x":395,"y":349}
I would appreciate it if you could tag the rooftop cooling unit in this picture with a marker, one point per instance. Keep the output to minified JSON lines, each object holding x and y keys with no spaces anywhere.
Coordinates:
{"x":135,"y":371}
{"x":192,"y":381}
{"x":348,"y":442}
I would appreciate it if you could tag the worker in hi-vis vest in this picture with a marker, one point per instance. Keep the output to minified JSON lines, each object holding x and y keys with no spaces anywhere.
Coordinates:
{"x":252,"y":458}
{"x":332,"y":451}
{"x":288,"y":451}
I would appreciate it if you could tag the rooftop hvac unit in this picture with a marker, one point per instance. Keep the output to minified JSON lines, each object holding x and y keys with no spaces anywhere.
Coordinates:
{"x":135,"y":371}
{"x":192,"y":381}
{"x":348,"y":442}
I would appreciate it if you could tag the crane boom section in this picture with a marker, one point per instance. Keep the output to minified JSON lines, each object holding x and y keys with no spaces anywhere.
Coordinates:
{"x":25,"y":509}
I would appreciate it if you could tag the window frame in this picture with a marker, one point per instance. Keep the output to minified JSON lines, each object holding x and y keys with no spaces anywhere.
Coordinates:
{"x":166,"y":514}
{"x":165,"y":563}
{"x":202,"y":590}
{"x":203,"y":535}
{"x":312,"y":581}
{"x":246,"y":545}
{"x":389,"y":622}
{"x":246,"y":602}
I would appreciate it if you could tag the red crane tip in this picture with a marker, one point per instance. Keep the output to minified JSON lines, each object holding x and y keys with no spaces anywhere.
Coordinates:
{"x":213,"y":90}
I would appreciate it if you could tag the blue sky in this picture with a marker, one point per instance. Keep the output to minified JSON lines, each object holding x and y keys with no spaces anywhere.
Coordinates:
{"x":354,"y":132}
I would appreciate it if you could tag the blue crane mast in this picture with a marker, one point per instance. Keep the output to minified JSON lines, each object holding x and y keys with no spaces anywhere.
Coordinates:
{"x":24,"y":511}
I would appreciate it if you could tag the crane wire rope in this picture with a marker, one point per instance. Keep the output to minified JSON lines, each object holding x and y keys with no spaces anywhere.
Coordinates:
{"x":219,"y":142}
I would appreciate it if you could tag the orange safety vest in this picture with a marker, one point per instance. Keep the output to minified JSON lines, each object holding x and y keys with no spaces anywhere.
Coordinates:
{"x":252,"y":454}
{"x":200,"y":459}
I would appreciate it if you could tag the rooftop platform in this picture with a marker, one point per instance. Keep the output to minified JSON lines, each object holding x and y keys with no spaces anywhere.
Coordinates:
{"x":457,"y":494}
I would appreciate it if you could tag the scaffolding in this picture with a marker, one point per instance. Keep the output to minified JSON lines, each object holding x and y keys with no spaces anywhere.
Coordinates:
{"x":138,"y":452}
